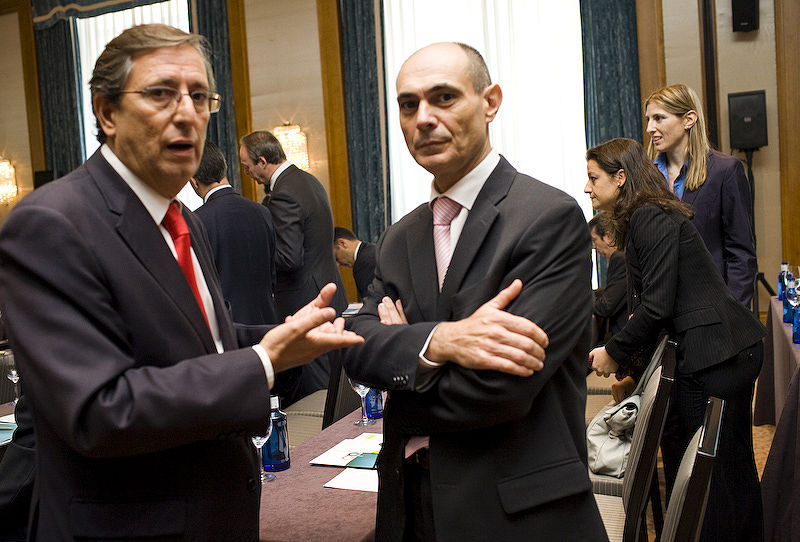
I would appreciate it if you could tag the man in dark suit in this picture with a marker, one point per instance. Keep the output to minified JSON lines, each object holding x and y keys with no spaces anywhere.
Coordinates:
{"x":610,"y":301}
{"x":349,"y":251}
{"x":474,"y":453}
{"x":242,"y":238}
{"x":304,"y":234}
{"x":143,"y":404}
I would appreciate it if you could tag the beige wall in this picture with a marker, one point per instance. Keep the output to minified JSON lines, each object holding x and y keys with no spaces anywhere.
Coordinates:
{"x":745,"y":61}
{"x":285,"y":76}
{"x":14,"y":142}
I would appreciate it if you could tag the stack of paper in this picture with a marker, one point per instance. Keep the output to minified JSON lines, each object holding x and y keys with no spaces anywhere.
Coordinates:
{"x":347,"y":450}
{"x":7,"y":427}
{"x":359,"y":452}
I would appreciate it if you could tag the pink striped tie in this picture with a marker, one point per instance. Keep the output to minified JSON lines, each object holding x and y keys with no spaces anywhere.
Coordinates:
{"x":444,"y":211}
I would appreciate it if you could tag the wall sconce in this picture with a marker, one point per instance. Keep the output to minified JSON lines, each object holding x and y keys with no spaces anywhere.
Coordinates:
{"x":294,"y":143}
{"x":8,"y":182}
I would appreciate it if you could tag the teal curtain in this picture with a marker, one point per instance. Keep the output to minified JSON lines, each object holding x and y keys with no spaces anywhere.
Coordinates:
{"x":610,"y":70}
{"x":58,"y":83}
{"x":612,"y":99}
{"x":362,"y":110}
{"x":212,"y":22}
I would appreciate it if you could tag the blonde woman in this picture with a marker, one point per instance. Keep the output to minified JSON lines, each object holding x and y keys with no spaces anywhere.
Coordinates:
{"x":712,"y":183}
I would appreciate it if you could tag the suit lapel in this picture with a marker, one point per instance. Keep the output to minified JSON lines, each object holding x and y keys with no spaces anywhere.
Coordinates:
{"x":479,"y":221}
{"x":137,"y":229}
{"x":422,"y":261}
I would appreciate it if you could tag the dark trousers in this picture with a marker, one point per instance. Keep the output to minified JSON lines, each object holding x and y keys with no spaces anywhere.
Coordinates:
{"x":417,"y":496}
{"x":733,"y":511}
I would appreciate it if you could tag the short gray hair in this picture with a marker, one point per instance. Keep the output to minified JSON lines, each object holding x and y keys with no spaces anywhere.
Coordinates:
{"x":114,"y":65}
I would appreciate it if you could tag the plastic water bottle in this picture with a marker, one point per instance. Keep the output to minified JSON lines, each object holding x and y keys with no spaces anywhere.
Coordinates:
{"x":789,"y":299}
{"x":374,"y":404}
{"x":276,"y":450}
{"x":782,"y":279}
{"x":796,"y":327}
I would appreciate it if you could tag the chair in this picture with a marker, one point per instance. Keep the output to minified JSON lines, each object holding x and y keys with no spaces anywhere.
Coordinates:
{"x":687,"y":505}
{"x":623,"y":503}
{"x":341,"y":399}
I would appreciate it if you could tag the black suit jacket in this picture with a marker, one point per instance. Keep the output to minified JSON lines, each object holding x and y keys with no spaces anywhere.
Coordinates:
{"x":242,"y":238}
{"x":507,"y":454}
{"x":611,"y":301}
{"x":364,"y":268}
{"x":722,"y":217}
{"x":677,"y":287}
{"x":142,"y":429}
{"x":304,"y":252}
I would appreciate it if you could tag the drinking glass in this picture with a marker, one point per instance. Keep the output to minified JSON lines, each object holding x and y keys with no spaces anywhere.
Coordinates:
{"x":362,"y":392}
{"x":259,"y":441}
{"x":13,"y":375}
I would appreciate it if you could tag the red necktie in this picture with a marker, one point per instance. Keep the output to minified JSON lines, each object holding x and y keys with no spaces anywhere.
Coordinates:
{"x":179,"y":231}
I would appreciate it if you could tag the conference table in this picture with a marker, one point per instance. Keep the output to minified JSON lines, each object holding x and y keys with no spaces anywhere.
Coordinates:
{"x":296,"y":506}
{"x":5,"y":409}
{"x":781,"y":360}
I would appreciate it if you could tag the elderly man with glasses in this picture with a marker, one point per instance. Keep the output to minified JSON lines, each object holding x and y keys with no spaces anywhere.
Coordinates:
{"x":143,"y":401}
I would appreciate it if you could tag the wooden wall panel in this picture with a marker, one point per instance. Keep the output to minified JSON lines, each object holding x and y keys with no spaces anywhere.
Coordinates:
{"x":787,"y":42}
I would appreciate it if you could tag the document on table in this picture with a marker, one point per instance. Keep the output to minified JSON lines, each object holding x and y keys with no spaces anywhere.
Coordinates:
{"x":347,"y":450}
{"x":358,"y":479}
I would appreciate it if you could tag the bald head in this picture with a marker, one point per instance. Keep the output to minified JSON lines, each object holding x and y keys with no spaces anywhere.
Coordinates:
{"x":446,"y":102}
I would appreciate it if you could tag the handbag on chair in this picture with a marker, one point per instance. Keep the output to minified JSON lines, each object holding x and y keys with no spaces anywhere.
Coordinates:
{"x":609,"y":434}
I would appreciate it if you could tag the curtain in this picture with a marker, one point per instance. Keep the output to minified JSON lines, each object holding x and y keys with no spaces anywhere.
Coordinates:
{"x":362,"y":106}
{"x":58,"y":84}
{"x":611,"y":77}
{"x":212,"y":23}
{"x":48,"y":12}
{"x":611,"y":70}
{"x":533,"y":50}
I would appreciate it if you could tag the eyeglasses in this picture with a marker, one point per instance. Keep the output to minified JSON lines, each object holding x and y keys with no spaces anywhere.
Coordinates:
{"x":164,"y":97}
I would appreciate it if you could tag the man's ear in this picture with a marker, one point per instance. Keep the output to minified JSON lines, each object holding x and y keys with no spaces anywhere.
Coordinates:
{"x":105,"y":110}
{"x":493,"y":97}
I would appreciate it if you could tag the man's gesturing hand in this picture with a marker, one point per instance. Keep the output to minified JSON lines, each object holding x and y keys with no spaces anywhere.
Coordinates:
{"x":308,"y":333}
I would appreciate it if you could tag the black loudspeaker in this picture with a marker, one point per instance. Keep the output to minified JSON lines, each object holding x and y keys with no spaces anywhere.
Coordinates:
{"x":745,"y":15}
{"x":747,"y":116}
{"x":42,"y":177}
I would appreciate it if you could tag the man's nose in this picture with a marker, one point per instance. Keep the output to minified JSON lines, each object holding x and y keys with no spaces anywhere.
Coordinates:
{"x":426,"y":116}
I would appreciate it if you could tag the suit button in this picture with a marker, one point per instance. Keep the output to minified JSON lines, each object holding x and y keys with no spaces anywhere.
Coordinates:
{"x":253,"y":485}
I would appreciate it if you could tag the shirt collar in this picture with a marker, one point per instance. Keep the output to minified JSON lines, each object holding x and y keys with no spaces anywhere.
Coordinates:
{"x":281,"y":168}
{"x":355,"y":253}
{"x":155,"y":203}
{"x":465,"y":190}
{"x":215,"y":189}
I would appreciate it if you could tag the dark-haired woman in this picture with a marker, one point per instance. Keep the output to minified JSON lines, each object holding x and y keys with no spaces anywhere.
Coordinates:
{"x":677,"y":287}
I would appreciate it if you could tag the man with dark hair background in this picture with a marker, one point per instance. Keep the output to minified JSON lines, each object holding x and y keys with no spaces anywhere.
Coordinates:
{"x":242,"y":238}
{"x":359,"y":255}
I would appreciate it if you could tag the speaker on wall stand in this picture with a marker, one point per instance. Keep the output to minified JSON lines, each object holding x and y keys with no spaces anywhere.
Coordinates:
{"x":747,"y":120}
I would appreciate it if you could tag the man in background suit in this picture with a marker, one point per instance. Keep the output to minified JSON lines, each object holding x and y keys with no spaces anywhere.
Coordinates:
{"x":304,"y":234}
{"x":611,"y":301}
{"x":242,"y":238}
{"x":360,"y":255}
{"x":471,"y":451}
{"x":143,"y":403}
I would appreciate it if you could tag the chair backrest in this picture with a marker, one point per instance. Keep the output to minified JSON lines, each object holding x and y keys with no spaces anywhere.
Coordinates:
{"x":647,"y":435}
{"x":341,"y":399}
{"x":687,"y":505}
